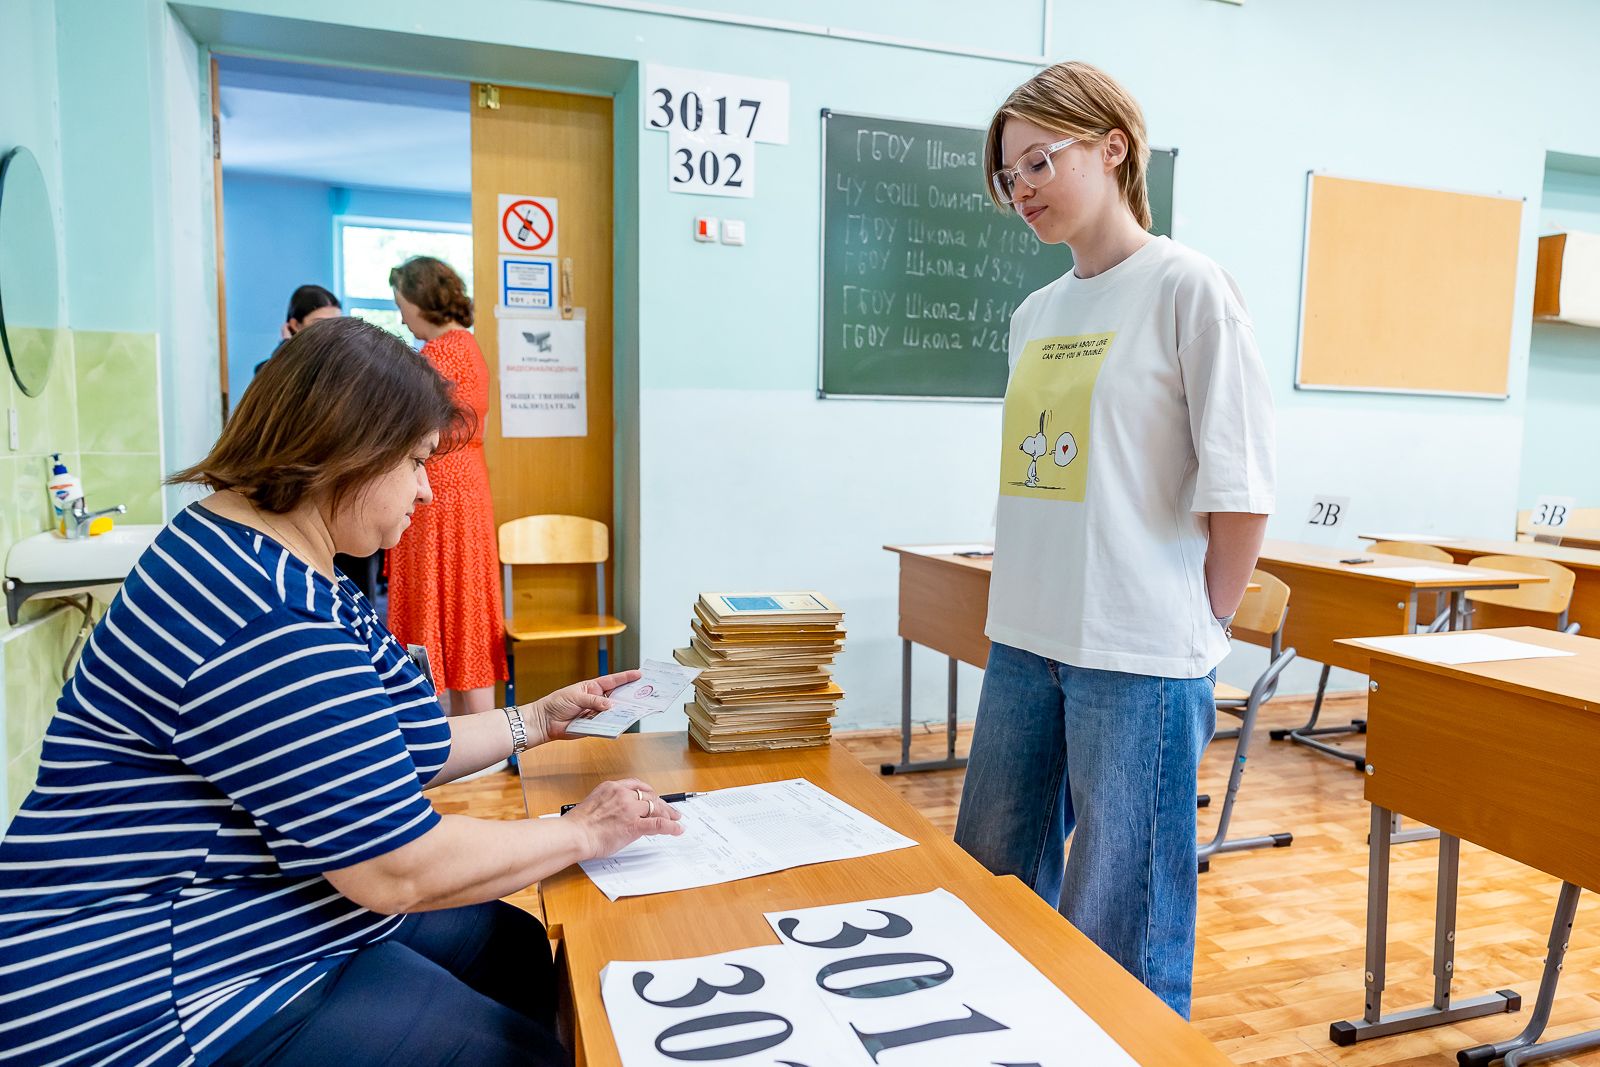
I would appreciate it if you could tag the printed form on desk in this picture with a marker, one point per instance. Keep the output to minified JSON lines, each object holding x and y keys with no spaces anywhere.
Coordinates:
{"x":741,"y":832}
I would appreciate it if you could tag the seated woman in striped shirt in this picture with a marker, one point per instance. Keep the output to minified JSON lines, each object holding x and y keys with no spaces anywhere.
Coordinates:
{"x":228,"y":857}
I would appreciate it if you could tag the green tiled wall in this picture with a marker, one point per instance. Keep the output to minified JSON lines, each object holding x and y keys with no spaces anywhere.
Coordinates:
{"x":101,"y":410}
{"x":119,"y":421}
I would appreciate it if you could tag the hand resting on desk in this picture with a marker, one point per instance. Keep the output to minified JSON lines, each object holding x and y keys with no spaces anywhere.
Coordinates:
{"x":464,"y":860}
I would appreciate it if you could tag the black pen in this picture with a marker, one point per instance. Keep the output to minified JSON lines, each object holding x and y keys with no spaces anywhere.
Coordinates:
{"x":670,"y":798}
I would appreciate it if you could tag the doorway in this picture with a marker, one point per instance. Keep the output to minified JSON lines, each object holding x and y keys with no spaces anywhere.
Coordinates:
{"x":332,"y":176}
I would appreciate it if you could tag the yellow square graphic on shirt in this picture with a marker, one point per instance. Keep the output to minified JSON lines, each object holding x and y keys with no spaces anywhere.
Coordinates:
{"x":1046,"y":434}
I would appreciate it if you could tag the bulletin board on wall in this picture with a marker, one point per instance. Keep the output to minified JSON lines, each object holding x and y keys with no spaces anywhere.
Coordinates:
{"x":1407,"y":290}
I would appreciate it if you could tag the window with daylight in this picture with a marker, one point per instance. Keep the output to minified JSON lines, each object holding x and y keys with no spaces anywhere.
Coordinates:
{"x":369,"y":248}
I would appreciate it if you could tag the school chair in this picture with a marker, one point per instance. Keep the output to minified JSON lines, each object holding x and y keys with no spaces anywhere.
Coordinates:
{"x":1429,"y":605}
{"x":550,"y":541}
{"x":1542,"y":604}
{"x":1259,"y":621}
{"x":1577,"y":518}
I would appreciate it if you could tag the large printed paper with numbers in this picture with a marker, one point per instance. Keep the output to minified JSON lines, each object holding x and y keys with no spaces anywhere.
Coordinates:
{"x":921,"y":981}
{"x":749,"y":1008}
{"x":915,"y":981}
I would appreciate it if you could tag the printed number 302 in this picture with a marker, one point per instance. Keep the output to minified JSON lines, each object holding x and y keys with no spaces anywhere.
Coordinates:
{"x":711,"y":168}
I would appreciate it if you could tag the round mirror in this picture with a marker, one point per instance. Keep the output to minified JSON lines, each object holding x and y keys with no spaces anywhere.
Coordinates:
{"x":30,"y":298}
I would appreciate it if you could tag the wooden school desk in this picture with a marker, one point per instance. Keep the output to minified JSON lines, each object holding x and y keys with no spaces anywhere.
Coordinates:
{"x":1330,"y":600}
{"x":1583,"y":562}
{"x":944,"y":603}
{"x":1499,"y":754}
{"x":593,"y":931}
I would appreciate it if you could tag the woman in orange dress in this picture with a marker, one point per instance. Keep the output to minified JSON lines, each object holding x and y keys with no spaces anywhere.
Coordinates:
{"x":444,"y":575}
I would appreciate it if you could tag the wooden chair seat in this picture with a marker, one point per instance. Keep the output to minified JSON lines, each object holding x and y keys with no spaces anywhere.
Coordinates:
{"x":562,"y":627}
{"x":555,"y":541}
{"x":1230,"y":694}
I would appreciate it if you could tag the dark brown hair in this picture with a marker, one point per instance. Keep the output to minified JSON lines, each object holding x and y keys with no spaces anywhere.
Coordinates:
{"x":438,"y":291}
{"x":309,"y":298}
{"x":340,"y":404}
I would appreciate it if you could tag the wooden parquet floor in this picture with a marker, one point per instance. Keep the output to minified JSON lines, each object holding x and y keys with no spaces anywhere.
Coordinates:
{"x":1281,"y":931}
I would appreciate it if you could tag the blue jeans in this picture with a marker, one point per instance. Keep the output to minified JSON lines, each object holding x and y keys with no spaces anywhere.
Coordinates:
{"x":1112,"y":756}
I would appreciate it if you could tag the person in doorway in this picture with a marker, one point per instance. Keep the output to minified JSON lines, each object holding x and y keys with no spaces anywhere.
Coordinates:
{"x":444,"y":575}
{"x":308,"y":304}
{"x":1129,"y":522}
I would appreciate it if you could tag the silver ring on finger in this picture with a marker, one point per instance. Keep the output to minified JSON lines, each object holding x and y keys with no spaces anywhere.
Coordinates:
{"x":639,"y":793}
{"x":650,"y":812}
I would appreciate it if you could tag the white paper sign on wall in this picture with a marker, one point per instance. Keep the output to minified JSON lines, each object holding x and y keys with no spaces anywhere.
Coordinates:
{"x":527,"y":282}
{"x":703,"y":101}
{"x":527,"y":225}
{"x":711,"y":165}
{"x":1328,"y":512}
{"x":1551,"y":512}
{"x":543,"y":375}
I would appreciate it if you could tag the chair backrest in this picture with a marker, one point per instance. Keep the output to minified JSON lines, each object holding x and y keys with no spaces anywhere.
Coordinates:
{"x":1544,"y":598}
{"x":1259,"y":619}
{"x":1413,"y":549}
{"x":1577,"y":518}
{"x":535,"y":539}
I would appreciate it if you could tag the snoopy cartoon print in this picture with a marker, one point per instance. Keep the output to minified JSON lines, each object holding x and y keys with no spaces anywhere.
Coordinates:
{"x":1037,"y":446}
{"x":1049,"y":410}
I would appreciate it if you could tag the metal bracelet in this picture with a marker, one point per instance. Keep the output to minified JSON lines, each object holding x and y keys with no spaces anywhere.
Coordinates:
{"x":519,"y":732}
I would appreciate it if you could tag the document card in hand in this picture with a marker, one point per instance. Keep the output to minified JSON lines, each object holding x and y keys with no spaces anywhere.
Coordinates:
{"x":658,"y":688}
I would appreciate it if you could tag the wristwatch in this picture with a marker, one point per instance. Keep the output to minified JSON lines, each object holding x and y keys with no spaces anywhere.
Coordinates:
{"x":519,"y":732}
{"x":1226,"y":622}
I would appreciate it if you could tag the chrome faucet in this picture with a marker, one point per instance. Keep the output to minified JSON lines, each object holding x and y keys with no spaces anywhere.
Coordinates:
{"x":80,"y":519}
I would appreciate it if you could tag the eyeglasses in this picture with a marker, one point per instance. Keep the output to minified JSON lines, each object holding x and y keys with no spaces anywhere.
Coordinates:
{"x":1035,"y":168}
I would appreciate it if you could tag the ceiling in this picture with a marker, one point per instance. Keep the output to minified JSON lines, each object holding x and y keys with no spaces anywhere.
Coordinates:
{"x":353,"y":128}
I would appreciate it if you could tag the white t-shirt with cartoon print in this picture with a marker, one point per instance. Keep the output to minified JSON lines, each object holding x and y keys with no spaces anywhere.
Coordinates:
{"x":1137,"y":405}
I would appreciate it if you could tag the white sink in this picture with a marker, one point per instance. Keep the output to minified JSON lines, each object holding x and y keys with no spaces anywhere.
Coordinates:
{"x":48,"y":565}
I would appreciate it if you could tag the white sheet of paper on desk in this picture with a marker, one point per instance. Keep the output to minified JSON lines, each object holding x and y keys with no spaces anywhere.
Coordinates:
{"x":951,"y":550}
{"x":1422,"y":574}
{"x":922,"y":980}
{"x":658,"y":688}
{"x":736,"y":833}
{"x":1461,"y":648}
{"x":1417,"y":538}
{"x":752,"y":1004}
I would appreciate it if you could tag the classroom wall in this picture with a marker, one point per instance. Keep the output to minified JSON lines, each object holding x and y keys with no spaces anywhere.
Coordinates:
{"x":745,"y":479}
{"x":1563,"y":366}
{"x":99,"y":408}
{"x":278,"y":234}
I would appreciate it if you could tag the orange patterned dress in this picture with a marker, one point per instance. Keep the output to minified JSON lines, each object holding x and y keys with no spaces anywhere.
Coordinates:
{"x":444,"y":575}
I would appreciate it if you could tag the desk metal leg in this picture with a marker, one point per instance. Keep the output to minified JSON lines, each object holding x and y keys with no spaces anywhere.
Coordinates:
{"x":1307,"y":734}
{"x":905,"y":766}
{"x":1373,"y":1022}
{"x":1524,"y":1048}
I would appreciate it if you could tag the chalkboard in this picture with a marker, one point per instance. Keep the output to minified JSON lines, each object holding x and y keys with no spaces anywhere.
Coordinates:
{"x":920,"y":271}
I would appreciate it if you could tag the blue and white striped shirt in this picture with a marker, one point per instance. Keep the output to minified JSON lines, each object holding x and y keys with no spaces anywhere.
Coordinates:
{"x":238,"y":724}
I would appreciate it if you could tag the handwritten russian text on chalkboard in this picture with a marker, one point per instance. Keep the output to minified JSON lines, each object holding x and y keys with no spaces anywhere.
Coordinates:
{"x":920,"y":271}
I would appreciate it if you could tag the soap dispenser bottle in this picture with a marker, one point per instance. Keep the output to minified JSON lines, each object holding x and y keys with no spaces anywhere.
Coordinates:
{"x":64,"y":489}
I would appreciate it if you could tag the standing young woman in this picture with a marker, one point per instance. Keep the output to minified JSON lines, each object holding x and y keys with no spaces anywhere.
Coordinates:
{"x":444,"y":575}
{"x":1136,"y":477}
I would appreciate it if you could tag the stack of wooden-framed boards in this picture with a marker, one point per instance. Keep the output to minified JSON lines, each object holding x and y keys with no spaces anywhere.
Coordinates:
{"x":766,"y":678}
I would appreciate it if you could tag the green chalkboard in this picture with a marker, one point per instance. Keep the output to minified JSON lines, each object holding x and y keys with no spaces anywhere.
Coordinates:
{"x":920,"y":271}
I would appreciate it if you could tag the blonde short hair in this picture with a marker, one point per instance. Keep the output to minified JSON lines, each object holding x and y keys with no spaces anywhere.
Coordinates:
{"x":1082,"y":101}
